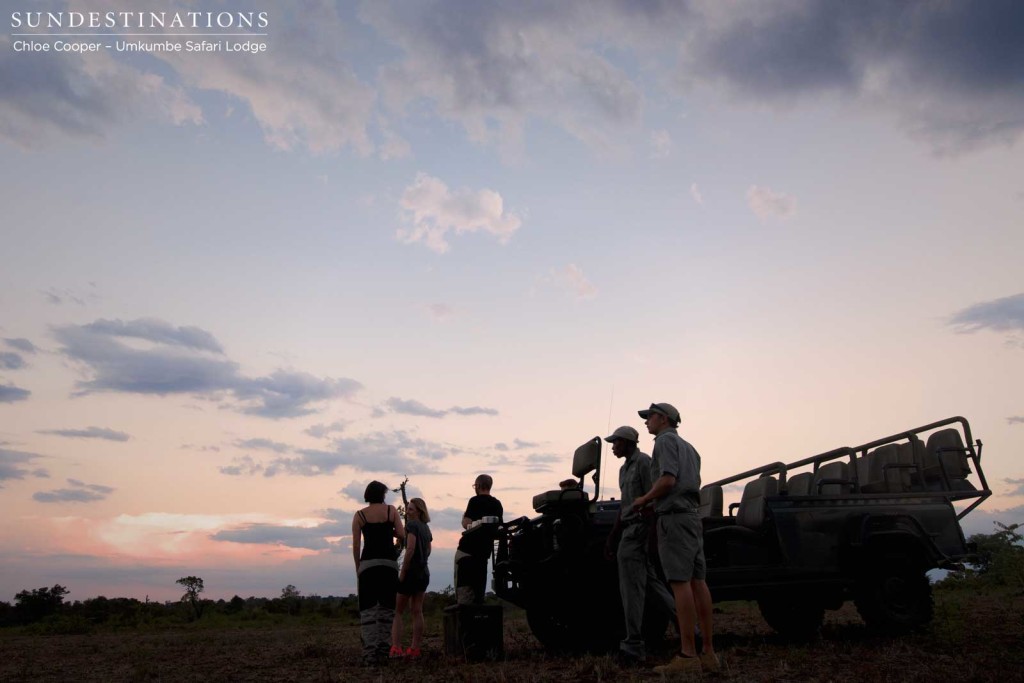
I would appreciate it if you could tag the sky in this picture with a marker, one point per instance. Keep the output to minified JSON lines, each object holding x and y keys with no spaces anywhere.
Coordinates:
{"x":433,"y":239}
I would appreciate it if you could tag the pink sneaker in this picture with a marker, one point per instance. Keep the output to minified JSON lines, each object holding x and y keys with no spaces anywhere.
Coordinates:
{"x":413,"y":653}
{"x":396,"y":652}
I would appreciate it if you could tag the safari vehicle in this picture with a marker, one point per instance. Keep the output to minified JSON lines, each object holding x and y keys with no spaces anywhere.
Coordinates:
{"x":862,"y":523}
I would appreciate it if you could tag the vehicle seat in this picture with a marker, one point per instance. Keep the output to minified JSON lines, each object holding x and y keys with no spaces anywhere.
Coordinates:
{"x":945,"y":452}
{"x":710,"y":501}
{"x":799,"y":484}
{"x":832,"y":479}
{"x":754,"y":503}
{"x":549,"y":499}
{"x":873,"y":475}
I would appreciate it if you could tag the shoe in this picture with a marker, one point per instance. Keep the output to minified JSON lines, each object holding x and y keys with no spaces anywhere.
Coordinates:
{"x":710,"y":662}
{"x":396,"y":652}
{"x":413,"y":653}
{"x":680,"y":664}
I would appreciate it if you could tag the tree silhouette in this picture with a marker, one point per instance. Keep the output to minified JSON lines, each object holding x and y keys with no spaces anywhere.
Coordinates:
{"x":193,"y":587}
{"x":30,"y":606}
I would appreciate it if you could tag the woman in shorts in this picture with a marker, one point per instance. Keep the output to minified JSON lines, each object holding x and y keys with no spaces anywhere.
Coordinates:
{"x":413,"y":578}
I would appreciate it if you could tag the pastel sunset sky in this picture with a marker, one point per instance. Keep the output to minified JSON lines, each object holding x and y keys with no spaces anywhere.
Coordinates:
{"x":433,"y":239}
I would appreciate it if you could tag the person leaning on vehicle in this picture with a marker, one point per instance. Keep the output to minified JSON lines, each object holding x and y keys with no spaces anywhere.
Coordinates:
{"x":475,"y":546}
{"x":637,"y":575}
{"x":675,"y":468}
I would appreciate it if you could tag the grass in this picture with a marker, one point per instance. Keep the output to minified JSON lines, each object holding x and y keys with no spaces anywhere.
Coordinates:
{"x":974,"y":637}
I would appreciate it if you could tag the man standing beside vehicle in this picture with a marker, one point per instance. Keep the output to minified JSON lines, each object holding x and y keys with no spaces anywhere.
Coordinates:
{"x":675,"y":468}
{"x":477,"y":544}
{"x":637,"y":575}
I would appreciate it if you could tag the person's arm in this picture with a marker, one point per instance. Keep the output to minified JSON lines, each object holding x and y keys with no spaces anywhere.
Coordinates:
{"x":356,"y":539}
{"x":466,"y":521}
{"x":410,"y":551}
{"x":399,"y":527}
{"x":467,"y":518}
{"x":660,"y":489}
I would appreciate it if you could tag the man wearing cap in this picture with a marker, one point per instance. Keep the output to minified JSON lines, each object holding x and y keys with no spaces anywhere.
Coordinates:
{"x":637,"y":575}
{"x":675,"y":468}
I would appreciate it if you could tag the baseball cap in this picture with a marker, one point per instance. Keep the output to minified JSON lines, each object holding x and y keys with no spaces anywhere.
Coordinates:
{"x":627,"y":433}
{"x":666,"y":409}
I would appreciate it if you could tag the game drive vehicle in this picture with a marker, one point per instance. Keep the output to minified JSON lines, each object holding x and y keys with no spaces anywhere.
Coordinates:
{"x":864,"y":523}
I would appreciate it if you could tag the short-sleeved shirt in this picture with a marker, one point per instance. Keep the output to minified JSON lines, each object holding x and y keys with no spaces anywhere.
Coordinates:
{"x":423,"y":540}
{"x":484,"y":505}
{"x":634,"y":481}
{"x":673,"y":455}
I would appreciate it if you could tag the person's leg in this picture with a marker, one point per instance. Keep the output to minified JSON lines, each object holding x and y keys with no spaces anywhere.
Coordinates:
{"x":702,"y":601}
{"x":632,"y":563}
{"x":401,"y":602}
{"x":686,"y":614}
{"x":417,"y":621}
{"x":463,"y":584}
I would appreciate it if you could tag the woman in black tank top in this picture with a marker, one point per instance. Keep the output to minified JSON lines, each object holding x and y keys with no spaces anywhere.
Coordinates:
{"x":374,"y":530}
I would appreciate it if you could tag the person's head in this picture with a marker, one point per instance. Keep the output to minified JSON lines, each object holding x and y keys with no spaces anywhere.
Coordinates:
{"x":483,"y":484}
{"x":418,"y":510}
{"x":660,"y":416}
{"x":623,"y":441}
{"x":375,"y":492}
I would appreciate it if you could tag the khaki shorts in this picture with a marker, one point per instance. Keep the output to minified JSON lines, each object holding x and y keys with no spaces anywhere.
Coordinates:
{"x":681,"y":546}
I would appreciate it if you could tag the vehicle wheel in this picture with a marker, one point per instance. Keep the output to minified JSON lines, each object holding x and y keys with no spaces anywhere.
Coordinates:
{"x":794,"y":617}
{"x":895,"y":598}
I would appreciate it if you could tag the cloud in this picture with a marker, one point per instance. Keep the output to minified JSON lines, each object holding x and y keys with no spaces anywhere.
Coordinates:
{"x":949,"y":72}
{"x":59,"y":297}
{"x":576,"y":282}
{"x":158,"y":332}
{"x":517,"y":444}
{"x":11,"y":361}
{"x":21,"y":344}
{"x":1015,"y":420}
{"x":472,"y":410}
{"x":50,"y":97}
{"x":695,"y":193}
{"x":430,"y":211}
{"x":308,"y":538}
{"x":88,"y":433}
{"x":79,"y":493}
{"x":187,"y":360}
{"x":1018,"y":487}
{"x":446,"y":519}
{"x":999,"y":315}
{"x":10,"y":393}
{"x":766,"y":203}
{"x":493,"y":67}
{"x":440,"y":312}
{"x":244,"y":465}
{"x":414,"y":407}
{"x":398,"y":453}
{"x":661,"y":144}
{"x":354,"y":490}
{"x":982,"y":520}
{"x":322,"y":430}
{"x":13,"y":465}
{"x":307,"y":96}
{"x":263,"y":444}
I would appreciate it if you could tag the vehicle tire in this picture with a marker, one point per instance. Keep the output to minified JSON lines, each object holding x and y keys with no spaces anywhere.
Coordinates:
{"x":794,"y":617}
{"x":895,"y":597}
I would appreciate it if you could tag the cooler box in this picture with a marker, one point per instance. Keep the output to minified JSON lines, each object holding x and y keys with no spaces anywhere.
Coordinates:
{"x":474,"y":631}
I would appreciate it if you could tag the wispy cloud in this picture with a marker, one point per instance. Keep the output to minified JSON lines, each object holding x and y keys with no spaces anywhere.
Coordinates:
{"x":10,"y":393}
{"x":11,"y":361}
{"x":517,"y":444}
{"x":244,"y":465}
{"x":695,"y":193}
{"x":398,"y":453}
{"x":430,"y":211}
{"x":80,"y":492}
{"x":414,"y":407}
{"x":322,"y":430}
{"x":88,"y":433}
{"x":187,"y":360}
{"x":1000,"y":315}
{"x":766,"y":203}
{"x":1018,"y":487}
{"x":21,"y":344}
{"x":440,"y":312}
{"x":263,"y":444}
{"x":576,"y":282}
{"x":18,"y":465}
{"x":661,"y":144}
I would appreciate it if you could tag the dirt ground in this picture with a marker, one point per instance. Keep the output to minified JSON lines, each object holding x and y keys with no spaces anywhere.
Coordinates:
{"x":973,"y":638}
